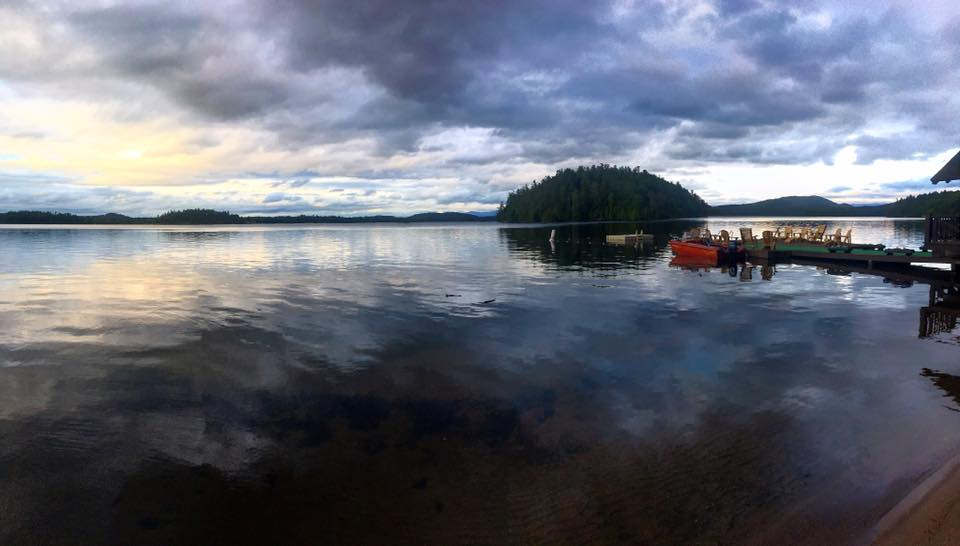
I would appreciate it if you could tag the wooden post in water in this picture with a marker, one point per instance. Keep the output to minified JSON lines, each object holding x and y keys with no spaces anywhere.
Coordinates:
{"x":553,"y":235}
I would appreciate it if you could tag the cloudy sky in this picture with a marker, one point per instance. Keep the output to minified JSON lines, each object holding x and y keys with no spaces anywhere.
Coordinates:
{"x":372,"y":106}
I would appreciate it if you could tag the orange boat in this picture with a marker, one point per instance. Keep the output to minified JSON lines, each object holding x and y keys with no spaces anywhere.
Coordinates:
{"x":695,"y":250}
{"x":704,"y":253}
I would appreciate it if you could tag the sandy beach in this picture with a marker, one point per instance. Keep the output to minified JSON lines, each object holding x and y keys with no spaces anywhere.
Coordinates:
{"x":929,"y":515}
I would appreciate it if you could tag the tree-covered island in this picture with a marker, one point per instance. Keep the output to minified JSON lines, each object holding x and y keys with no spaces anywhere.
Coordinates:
{"x":601,"y":192}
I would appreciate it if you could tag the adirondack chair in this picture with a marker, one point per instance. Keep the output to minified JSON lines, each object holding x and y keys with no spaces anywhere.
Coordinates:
{"x":724,"y":236}
{"x":818,"y":233}
{"x":788,"y":234}
{"x":769,"y":241}
{"x":747,"y":236}
{"x":836,"y":237}
{"x":707,"y":236}
{"x":848,"y":238}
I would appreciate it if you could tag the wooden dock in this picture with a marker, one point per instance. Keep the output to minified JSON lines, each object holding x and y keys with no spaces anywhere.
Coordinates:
{"x":861,"y":256}
{"x":942,"y":236}
{"x":630,"y":239}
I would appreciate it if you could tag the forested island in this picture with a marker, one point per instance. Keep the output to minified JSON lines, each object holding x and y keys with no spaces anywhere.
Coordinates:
{"x":601,"y":192}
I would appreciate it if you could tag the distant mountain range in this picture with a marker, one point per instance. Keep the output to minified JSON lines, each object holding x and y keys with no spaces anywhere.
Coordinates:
{"x":794,"y":205}
{"x":945,"y":203}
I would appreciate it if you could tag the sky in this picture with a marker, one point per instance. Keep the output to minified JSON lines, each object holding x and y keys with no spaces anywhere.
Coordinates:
{"x":355,"y":107}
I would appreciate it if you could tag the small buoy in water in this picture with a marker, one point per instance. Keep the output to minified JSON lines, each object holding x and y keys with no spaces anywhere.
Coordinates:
{"x":553,"y":235}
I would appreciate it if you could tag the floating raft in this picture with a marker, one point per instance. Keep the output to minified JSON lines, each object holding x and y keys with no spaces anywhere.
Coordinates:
{"x":630,"y":239}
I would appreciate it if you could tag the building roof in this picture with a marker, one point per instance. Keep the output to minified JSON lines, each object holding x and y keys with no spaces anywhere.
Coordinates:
{"x":950,"y":171}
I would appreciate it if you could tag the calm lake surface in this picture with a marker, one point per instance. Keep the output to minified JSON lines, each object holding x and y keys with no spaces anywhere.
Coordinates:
{"x":456,"y":384}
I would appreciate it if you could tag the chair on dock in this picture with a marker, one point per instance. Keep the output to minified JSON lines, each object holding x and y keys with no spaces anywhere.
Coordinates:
{"x":836,"y":237}
{"x":788,"y":234}
{"x":848,"y":238}
{"x":819,"y":232}
{"x":707,"y":236}
{"x":747,"y":236}
{"x":724,"y":236}
{"x":769,"y":241}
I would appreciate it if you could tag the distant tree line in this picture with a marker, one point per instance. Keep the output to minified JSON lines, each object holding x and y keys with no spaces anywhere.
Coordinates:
{"x":214,"y":217}
{"x":198,"y":216}
{"x":38,"y":217}
{"x":601,"y":192}
{"x":416,"y":218}
{"x":941,"y":203}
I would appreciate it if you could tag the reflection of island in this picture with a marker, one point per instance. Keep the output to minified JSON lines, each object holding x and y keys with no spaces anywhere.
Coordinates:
{"x":584,"y":245}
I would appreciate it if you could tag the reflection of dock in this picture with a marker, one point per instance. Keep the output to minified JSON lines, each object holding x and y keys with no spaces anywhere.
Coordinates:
{"x":940,"y":316}
{"x":943,"y":313}
{"x":900,"y":276}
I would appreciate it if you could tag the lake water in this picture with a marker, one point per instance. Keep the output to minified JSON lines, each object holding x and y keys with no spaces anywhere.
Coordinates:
{"x":456,"y":384}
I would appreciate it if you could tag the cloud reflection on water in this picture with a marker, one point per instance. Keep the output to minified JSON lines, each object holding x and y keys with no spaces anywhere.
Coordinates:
{"x":315,"y":376}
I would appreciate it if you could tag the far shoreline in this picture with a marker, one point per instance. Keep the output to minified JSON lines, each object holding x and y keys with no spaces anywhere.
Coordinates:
{"x":479,"y":221}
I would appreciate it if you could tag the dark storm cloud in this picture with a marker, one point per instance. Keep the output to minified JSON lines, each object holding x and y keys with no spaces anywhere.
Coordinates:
{"x":189,"y":57}
{"x":728,"y":98}
{"x":430,"y":51}
{"x":775,"y":39}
